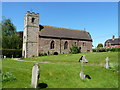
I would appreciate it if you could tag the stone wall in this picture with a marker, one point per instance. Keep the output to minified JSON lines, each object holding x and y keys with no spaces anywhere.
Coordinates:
{"x":30,"y":35}
{"x":44,"y":45}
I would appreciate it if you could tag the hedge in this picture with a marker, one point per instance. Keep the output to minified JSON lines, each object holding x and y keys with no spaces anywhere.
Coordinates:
{"x":106,"y":50}
{"x":17,"y":53}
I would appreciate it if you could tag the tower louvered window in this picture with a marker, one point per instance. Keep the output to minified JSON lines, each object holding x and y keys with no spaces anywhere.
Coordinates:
{"x":33,"y":19}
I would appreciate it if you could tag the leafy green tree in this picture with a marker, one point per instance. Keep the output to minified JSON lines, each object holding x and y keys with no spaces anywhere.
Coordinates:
{"x":0,"y":37}
{"x":10,"y":39}
{"x":74,"y":49}
{"x":100,"y":45}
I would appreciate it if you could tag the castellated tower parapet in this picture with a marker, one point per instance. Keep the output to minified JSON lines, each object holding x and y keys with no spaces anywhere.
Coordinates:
{"x":31,"y":35}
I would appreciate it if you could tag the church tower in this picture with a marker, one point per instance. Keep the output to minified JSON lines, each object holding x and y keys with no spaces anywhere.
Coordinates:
{"x":30,"y":35}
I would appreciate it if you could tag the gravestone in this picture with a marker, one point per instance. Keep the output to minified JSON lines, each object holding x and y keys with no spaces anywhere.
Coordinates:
{"x":107,"y":63}
{"x":4,"y":57}
{"x":80,"y":60}
{"x":83,"y":59}
{"x":12,"y":56}
{"x":35,"y":75}
{"x":1,"y":56}
{"x":82,"y":76}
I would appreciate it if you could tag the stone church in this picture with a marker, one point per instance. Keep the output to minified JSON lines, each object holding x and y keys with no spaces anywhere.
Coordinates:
{"x":39,"y":39}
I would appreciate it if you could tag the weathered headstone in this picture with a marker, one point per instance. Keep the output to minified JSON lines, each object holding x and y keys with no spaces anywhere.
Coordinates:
{"x":83,"y":59}
{"x":12,"y":56}
{"x":35,"y":75}
{"x":4,"y":57}
{"x":107,"y":64}
{"x":82,"y":76}
{"x":1,"y":56}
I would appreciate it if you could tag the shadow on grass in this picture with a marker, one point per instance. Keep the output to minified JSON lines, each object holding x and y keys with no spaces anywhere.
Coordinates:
{"x":42,"y":85}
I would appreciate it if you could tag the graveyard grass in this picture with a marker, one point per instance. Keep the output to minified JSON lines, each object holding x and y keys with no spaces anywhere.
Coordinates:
{"x":65,"y":75}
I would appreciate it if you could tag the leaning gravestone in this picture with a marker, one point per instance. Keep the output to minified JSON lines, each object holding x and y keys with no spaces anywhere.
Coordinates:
{"x":83,"y":59}
{"x":107,"y":64}
{"x":35,"y":75}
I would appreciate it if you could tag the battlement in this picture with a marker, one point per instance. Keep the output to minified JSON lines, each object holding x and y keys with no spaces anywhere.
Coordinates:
{"x":32,"y":13}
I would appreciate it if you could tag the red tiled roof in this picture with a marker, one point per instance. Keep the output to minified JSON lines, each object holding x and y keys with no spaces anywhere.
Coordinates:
{"x":115,"y":41}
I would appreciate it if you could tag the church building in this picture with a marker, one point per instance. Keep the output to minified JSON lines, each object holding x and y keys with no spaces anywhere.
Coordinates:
{"x":38,"y":39}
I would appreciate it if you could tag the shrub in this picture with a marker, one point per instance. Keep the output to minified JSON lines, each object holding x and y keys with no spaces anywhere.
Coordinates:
{"x":45,"y":54}
{"x":106,"y":50}
{"x":94,"y":50}
{"x":102,"y":50}
{"x":8,"y":76}
{"x":42,"y":54}
{"x":113,"y":66}
{"x":74,"y":49}
{"x":113,"y":49}
{"x":9,"y":52}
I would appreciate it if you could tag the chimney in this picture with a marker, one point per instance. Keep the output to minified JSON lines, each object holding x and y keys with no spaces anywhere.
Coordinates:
{"x":113,"y":37}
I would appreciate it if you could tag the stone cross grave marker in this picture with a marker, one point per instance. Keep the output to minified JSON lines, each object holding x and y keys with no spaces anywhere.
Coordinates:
{"x":107,"y":63}
{"x":82,"y":76}
{"x":83,"y":59}
{"x":35,"y":75}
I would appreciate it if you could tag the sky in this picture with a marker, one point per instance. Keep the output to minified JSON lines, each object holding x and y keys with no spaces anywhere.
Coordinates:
{"x":100,"y":19}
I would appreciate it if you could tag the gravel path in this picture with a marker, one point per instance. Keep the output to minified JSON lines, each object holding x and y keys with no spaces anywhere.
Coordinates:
{"x":16,"y":59}
{"x":36,"y":61}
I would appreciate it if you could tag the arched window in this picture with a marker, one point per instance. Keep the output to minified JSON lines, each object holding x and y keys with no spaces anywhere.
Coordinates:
{"x":52,"y":45}
{"x":66,"y":45}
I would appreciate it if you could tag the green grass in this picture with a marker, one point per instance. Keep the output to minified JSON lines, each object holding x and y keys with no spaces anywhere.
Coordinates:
{"x":96,"y":58}
{"x":64,"y":75}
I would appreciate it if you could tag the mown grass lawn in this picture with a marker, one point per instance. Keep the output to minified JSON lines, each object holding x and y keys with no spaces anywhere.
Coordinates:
{"x":65,"y":75}
{"x":96,"y":58}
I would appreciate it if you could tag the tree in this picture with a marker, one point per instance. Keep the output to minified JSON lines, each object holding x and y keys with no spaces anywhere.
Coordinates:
{"x":10,"y":39}
{"x":100,"y":45}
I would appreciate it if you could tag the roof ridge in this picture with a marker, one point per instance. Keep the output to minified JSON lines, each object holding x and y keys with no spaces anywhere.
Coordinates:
{"x":114,"y":39}
{"x":64,"y":28}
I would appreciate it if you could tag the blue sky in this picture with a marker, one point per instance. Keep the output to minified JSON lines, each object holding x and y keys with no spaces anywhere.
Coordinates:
{"x":99,"y":18}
